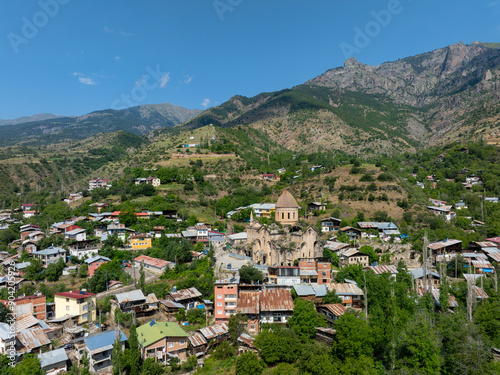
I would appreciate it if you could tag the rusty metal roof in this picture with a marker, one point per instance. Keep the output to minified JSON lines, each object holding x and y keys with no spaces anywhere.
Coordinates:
{"x":197,"y":339}
{"x":171,"y":304}
{"x":480,"y":292}
{"x":249,"y":303}
{"x":442,"y":244}
{"x":247,"y":339}
{"x":151,"y":298}
{"x":345,"y":289}
{"x":383,"y":269}
{"x":276,"y":300}
{"x":326,"y":330}
{"x":352,"y":252}
{"x":495,"y":256}
{"x":33,"y":338}
{"x":336,"y":246}
{"x":336,"y":309}
{"x":214,"y":331}
{"x":487,"y":244}
{"x":183,"y":294}
{"x":481,"y":264}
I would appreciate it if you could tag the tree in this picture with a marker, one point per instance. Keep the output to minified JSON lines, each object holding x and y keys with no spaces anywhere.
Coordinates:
{"x":54,"y":271}
{"x":83,"y":271}
{"x":30,"y":365}
{"x":305,"y":319}
{"x":331,"y":297}
{"x":180,"y":315}
{"x":34,"y":271}
{"x":278,"y":345}
{"x":128,"y":218}
{"x":316,"y":360}
{"x":142,"y":277}
{"x":354,"y":337}
{"x":118,"y":359}
{"x":248,"y":364}
{"x":224,"y":351}
{"x":132,"y":355}
{"x":151,"y":367}
{"x":250,"y":275}
{"x":235,"y":326}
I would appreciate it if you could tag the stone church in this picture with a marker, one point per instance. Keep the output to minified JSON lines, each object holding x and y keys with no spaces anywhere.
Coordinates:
{"x":281,"y":246}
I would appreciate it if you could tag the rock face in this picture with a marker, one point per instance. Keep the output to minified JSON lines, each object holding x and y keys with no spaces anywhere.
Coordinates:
{"x":431,"y":98}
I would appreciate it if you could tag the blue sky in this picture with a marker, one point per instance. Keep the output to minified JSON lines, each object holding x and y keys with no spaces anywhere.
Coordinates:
{"x":72,"y":57}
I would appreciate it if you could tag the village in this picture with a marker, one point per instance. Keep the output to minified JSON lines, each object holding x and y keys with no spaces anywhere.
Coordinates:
{"x":291,"y":262}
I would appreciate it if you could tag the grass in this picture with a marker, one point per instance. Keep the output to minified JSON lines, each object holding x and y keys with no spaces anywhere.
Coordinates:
{"x":214,"y":367}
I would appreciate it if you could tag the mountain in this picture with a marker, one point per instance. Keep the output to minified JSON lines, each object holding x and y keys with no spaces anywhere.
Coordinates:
{"x":431,"y":98}
{"x":138,"y":120}
{"x":37,"y":117}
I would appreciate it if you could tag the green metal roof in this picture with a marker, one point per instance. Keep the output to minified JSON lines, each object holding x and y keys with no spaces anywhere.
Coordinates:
{"x":148,"y":333}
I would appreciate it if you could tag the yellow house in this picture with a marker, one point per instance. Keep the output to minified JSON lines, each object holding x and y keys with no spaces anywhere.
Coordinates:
{"x":76,"y":303}
{"x":140,"y":241}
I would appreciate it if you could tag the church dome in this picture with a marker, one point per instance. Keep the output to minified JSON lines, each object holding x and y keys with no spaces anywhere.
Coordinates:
{"x":286,"y":200}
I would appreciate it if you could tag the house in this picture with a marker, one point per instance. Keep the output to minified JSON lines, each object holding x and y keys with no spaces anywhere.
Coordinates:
{"x":443,"y":247}
{"x":216,"y":238}
{"x":77,"y":234}
{"x":265,"y":210}
{"x":30,"y":246}
{"x":325,"y":335}
{"x":315,"y":270}
{"x":119,"y":230}
{"x":215,"y":334}
{"x":155,"y":181}
{"x":482,"y":266}
{"x":190,"y":298}
{"x":26,"y":230}
{"x":94,"y":263}
{"x":246,"y":343}
{"x":82,"y":249}
{"x":76,"y":303}
{"x":491,"y":199}
{"x":135,"y":300}
{"x":330,"y":224}
{"x":34,"y":305}
{"x":353,"y":256}
{"x":99,"y":349}
{"x":140,"y":241}
{"x":316,"y":206}
{"x":225,"y":298}
{"x":276,"y":306}
{"x":352,"y":233}
{"x":435,"y":293}
{"x":418,"y":276}
{"x":158,"y":231}
{"x":237,"y":239}
{"x":54,"y":362}
{"x":249,"y":305}
{"x":99,"y":183}
{"x":378,"y":270}
{"x":32,"y":340}
{"x":460,"y":205}
{"x":332,"y":312}
{"x":350,"y":294}
{"x":445,"y":211}
{"x":201,"y":232}
{"x":28,"y":206}
{"x":337,"y":247}
{"x":270,"y":177}
{"x":198,"y":344}
{"x":154,"y":265}
{"x":114,"y":284}
{"x":190,"y":234}
{"x":284,"y":275}
{"x":162,"y":341}
{"x":312,"y":293}
{"x":50,"y":255}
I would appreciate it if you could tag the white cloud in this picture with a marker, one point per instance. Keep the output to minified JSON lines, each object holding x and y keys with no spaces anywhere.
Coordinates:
{"x":188,"y":79}
{"x":117,"y":57}
{"x":205,"y":103}
{"x":84,"y":80}
{"x":165,"y":78}
{"x":108,"y":30}
{"x":492,"y":4}
{"x":124,"y":33}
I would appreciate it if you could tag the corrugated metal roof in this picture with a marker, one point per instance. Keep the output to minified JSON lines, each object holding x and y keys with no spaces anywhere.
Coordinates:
{"x":247,"y":339}
{"x":419,"y":273}
{"x":320,"y":290}
{"x":472,"y":277}
{"x":480,"y":292}
{"x":384,"y":269}
{"x":133,"y":295}
{"x":308,"y":273}
{"x":487,"y":244}
{"x":171,"y":304}
{"x":53,"y":357}
{"x":183,"y":294}
{"x":304,"y":290}
{"x":481,"y":264}
{"x":495,"y":256}
{"x":50,"y":251}
{"x":336,"y":309}
{"x":352,"y":252}
{"x":197,"y":339}
{"x":33,"y":338}
{"x":335,"y":246}
{"x":344,"y":289}
{"x":26,"y":321}
{"x":214,"y":331}
{"x":326,"y":330}
{"x":249,"y":303}
{"x":443,"y":244}
{"x":276,"y":300}
{"x":97,"y":258}
{"x":103,"y":341}
{"x":151,"y":298}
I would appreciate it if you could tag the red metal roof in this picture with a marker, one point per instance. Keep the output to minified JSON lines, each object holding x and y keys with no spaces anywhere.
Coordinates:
{"x":336,"y":309}
{"x":75,"y":294}
{"x":197,"y":339}
{"x":276,"y":300}
{"x":249,"y":302}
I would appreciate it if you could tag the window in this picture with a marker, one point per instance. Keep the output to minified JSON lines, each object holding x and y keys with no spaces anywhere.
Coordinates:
{"x":84,"y":316}
{"x":219,"y":296}
{"x":182,"y":342}
{"x":220,"y":312}
{"x":67,"y":299}
{"x":67,"y":308}
{"x":289,"y":216}
{"x":85,"y":307}
{"x":219,"y":304}
{"x":170,"y":344}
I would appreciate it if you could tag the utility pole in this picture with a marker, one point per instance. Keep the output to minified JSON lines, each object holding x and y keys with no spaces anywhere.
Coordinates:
{"x":366,"y":298}
{"x":426,"y":244}
{"x":107,"y":281}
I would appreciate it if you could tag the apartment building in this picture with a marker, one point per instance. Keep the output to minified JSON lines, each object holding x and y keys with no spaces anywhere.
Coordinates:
{"x":225,"y":298}
{"x":77,"y":303}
